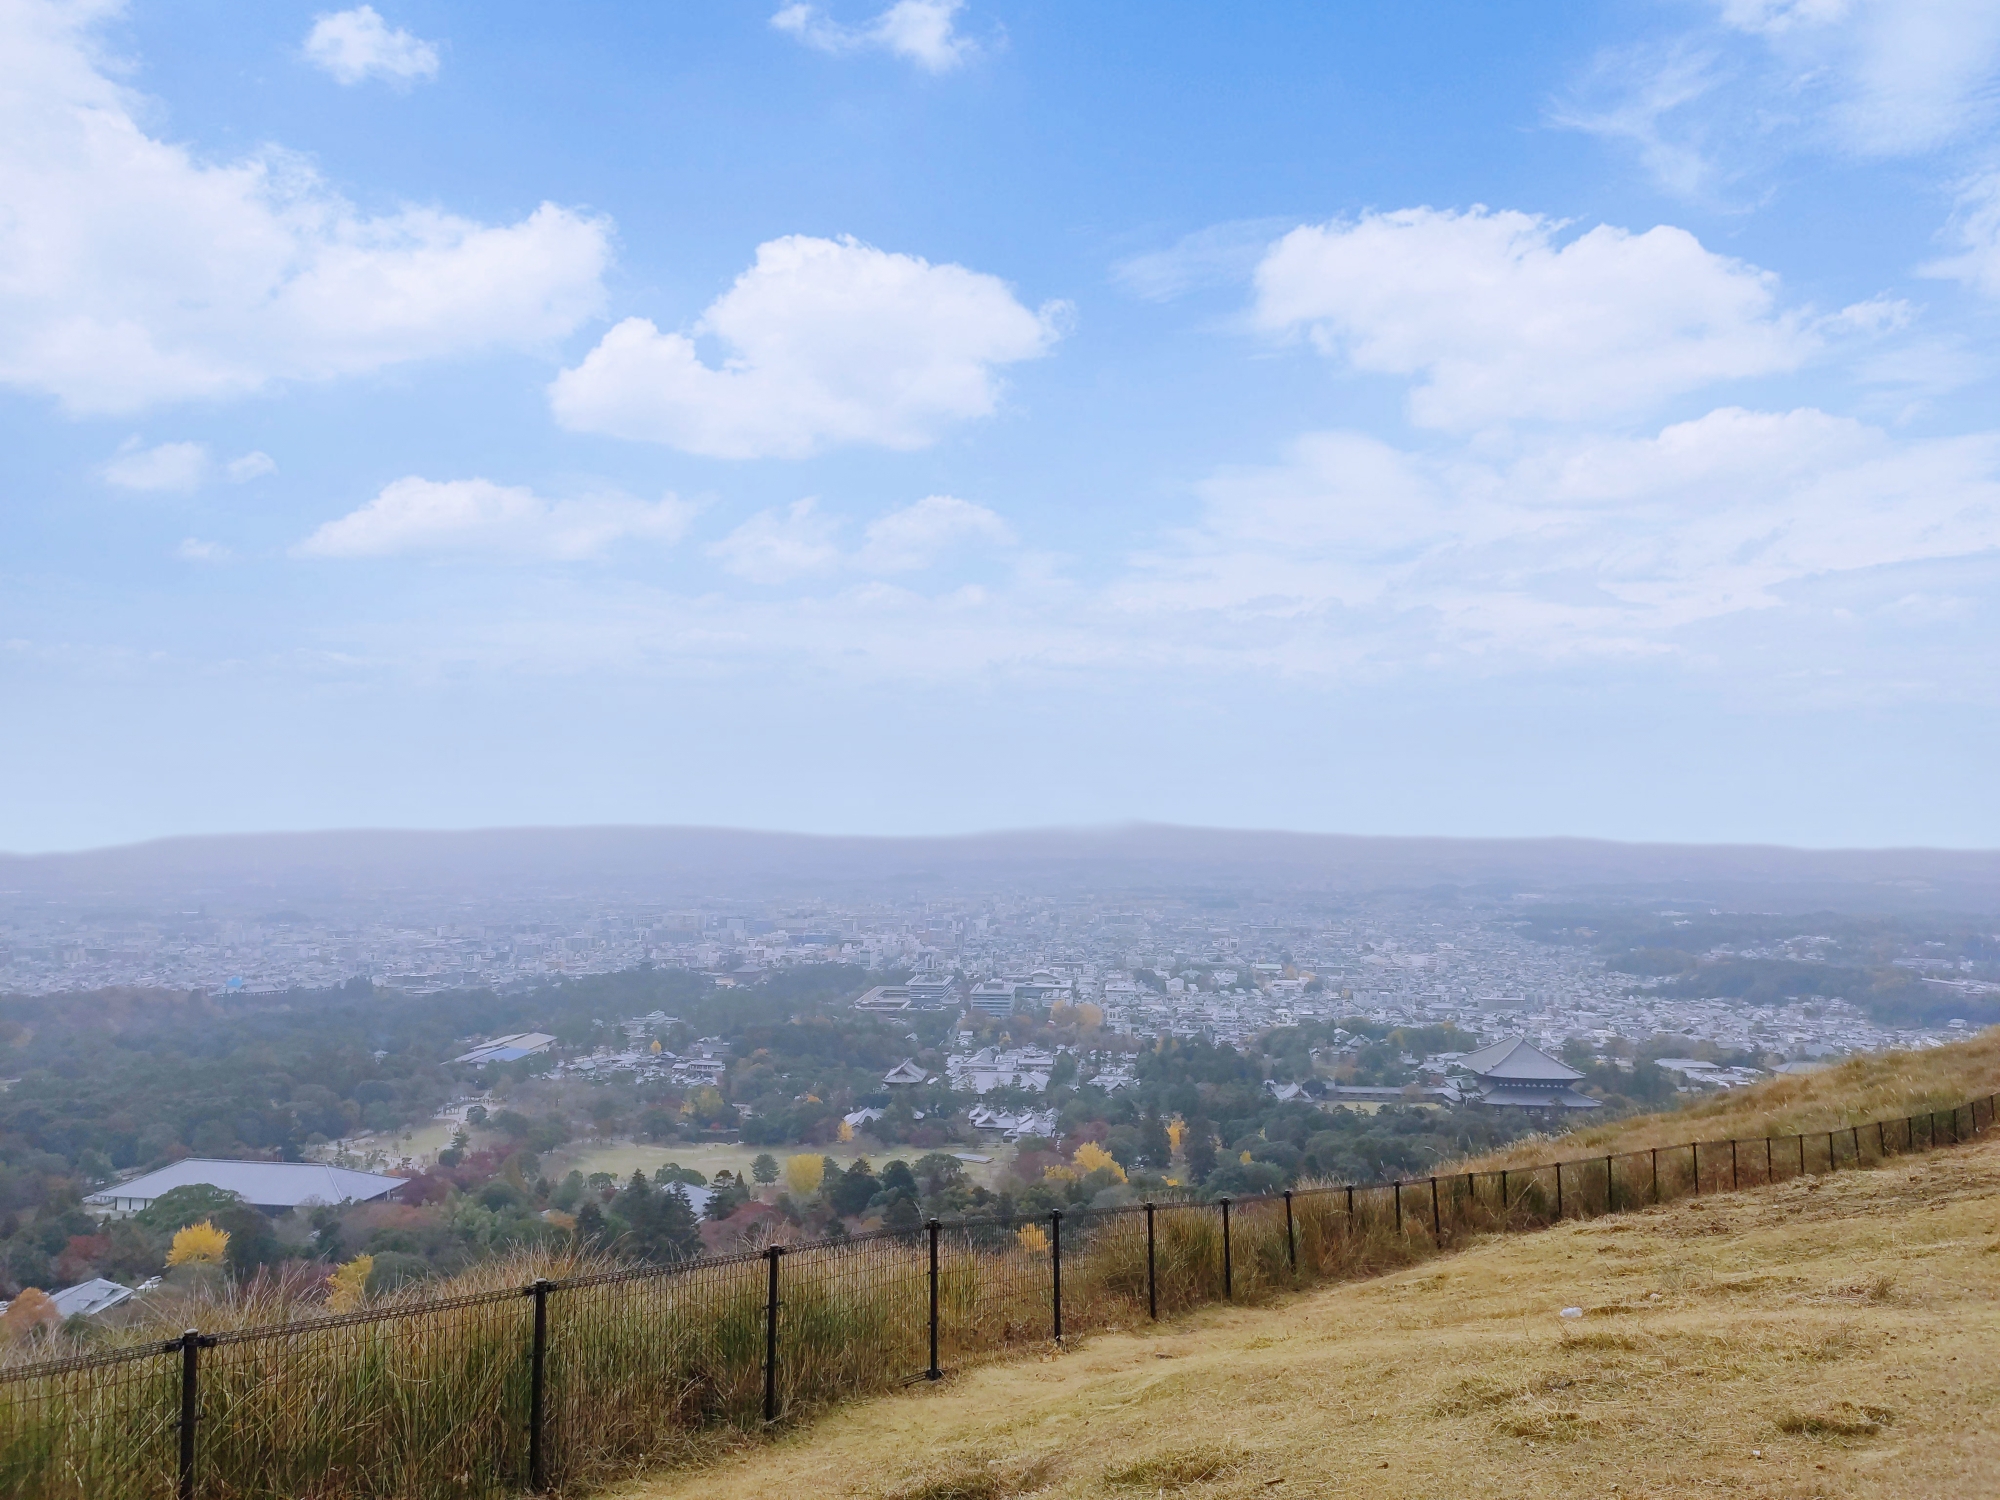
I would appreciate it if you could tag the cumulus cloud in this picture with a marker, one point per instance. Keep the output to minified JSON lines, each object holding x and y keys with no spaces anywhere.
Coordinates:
{"x":830,"y":341}
{"x":1499,"y":319}
{"x":924,"y":32}
{"x":800,"y":540}
{"x":465,"y":517}
{"x":165,"y":466}
{"x":355,"y":45}
{"x":134,"y":272}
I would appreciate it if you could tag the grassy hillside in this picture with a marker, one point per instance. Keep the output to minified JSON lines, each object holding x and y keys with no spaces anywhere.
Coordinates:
{"x":1830,"y":1337}
{"x":1893,"y":1084}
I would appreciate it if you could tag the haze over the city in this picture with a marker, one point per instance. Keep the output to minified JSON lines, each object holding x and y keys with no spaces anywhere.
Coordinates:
{"x":1498,"y":419}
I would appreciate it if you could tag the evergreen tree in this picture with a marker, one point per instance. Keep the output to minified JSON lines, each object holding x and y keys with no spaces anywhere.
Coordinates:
{"x":857,"y":1186}
{"x":765,"y":1168}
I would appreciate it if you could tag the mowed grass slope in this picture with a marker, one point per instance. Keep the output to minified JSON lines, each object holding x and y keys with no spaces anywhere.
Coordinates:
{"x":1833,"y":1336}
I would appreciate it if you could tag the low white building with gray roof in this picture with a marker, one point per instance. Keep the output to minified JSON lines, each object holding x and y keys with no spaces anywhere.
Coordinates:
{"x":274,"y":1186}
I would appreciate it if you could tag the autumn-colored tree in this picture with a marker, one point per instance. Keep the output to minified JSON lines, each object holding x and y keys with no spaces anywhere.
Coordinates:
{"x":1176,"y":1132}
{"x":846,"y":1130}
{"x":31,"y":1312}
{"x":1033,"y":1239}
{"x":199,"y":1245}
{"x":804,"y":1173}
{"x":346,"y":1287}
{"x":1091,"y":1157}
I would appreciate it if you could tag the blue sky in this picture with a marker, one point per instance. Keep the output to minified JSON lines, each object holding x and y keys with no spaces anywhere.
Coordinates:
{"x":1471,"y":419}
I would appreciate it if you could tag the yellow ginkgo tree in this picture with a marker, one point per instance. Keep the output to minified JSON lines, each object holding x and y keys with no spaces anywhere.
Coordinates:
{"x":198,"y":1245}
{"x":804,"y":1172}
{"x":1091,"y":1157}
{"x":347,"y":1287}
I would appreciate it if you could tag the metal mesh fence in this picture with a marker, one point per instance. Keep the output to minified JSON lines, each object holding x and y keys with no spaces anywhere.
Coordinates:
{"x":574,"y":1383}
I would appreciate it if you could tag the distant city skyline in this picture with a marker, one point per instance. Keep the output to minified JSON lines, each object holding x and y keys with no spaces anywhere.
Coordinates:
{"x":944,"y":415}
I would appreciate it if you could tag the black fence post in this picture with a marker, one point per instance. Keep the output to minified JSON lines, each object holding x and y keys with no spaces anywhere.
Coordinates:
{"x":1768,"y":1175}
{"x":1854,"y":1134}
{"x":1559,"y":1190}
{"x":771,"y":1254}
{"x":1291,"y":1244}
{"x":1399,"y":1206}
{"x":1609,"y":1185}
{"x":1881,"y":1142}
{"x":1152,"y":1280}
{"x":1055,"y":1272}
{"x":1503,"y":1190}
{"x":1735,"y":1181}
{"x":1437,"y":1224}
{"x":1694,"y":1150}
{"x":190,"y":1408}
{"x":538,"y":1385}
{"x":1656,"y":1174}
{"x":1350,"y":1202}
{"x":934,"y":1372}
{"x":1802,"y":1153}
{"x":1228,"y":1278}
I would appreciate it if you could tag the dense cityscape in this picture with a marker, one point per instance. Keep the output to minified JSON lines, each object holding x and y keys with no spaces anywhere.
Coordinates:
{"x":1215,"y":969}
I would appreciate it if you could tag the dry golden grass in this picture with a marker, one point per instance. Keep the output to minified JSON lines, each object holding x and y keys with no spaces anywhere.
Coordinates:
{"x":1830,"y":1337}
{"x":1862,"y":1089}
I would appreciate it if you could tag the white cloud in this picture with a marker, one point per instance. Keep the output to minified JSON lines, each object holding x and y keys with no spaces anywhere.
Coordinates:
{"x":1220,"y":255}
{"x":1975,"y":229}
{"x":1590,"y":544}
{"x":922,"y":31}
{"x":355,"y":45}
{"x":252,"y":465}
{"x":167,"y":466}
{"x":178,"y":466}
{"x":133,"y":272}
{"x":1870,"y":78}
{"x":776,"y":546}
{"x":1498,"y":320}
{"x":830,"y":341}
{"x":1892,"y":76}
{"x":192,"y":550}
{"x":798,"y":541}
{"x":907,"y":540}
{"x":477,"y":517}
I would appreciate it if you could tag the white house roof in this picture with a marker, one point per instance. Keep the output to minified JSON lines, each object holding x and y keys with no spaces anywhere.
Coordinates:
{"x":86,"y":1298}
{"x":508,"y":1048}
{"x":268,"y":1184}
{"x":1514,"y":1061}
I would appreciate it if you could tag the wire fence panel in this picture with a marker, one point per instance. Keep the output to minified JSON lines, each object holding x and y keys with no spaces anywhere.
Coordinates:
{"x":638,"y":1360}
{"x":853,"y":1316}
{"x":425,"y":1401}
{"x":80,"y":1429}
{"x":575,"y":1383}
{"x":996,"y":1288}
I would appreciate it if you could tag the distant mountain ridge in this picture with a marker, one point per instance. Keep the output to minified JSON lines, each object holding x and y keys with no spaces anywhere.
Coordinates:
{"x":670,"y":863}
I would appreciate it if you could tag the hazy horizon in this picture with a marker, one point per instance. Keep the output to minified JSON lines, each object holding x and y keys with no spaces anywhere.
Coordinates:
{"x":917,"y":416}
